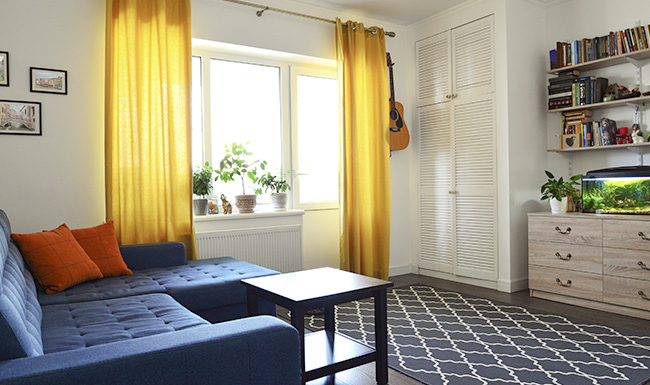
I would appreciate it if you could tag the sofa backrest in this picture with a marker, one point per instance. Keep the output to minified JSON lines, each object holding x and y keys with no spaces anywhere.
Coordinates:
{"x":20,"y":313}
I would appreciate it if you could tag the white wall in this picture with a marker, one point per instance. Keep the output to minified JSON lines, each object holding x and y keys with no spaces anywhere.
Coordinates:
{"x":597,"y":18}
{"x":231,"y":23}
{"x":59,"y":176}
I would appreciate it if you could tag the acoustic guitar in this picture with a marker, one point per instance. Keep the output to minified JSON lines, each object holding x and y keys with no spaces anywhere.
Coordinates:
{"x":399,"y":133}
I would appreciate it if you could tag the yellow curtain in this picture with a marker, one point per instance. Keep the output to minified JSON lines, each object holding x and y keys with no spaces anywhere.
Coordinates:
{"x":365,"y":150}
{"x":148,"y":161}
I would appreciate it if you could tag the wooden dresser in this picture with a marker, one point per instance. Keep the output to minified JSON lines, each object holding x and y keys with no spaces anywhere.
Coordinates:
{"x":591,"y":260}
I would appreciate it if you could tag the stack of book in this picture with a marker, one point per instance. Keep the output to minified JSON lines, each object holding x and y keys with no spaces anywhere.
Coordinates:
{"x":577,"y":129}
{"x":560,"y":89}
{"x":616,"y":43}
{"x":588,"y":90}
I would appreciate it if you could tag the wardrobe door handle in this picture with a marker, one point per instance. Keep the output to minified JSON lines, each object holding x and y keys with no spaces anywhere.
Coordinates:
{"x":643,"y":236}
{"x":643,"y":266}
{"x":559,"y":230}
{"x":567,"y":258}
{"x":642,"y":295}
{"x":567,"y":284}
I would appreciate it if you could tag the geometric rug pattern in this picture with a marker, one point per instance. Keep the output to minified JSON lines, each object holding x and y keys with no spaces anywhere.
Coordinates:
{"x":443,"y":337}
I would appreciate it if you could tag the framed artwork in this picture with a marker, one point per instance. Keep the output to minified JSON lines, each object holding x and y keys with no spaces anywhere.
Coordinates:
{"x":4,"y":68}
{"x":570,"y":141}
{"x":20,"y":118}
{"x":49,"y":80}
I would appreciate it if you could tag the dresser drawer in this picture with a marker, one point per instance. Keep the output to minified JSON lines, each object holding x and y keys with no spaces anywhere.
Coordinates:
{"x":566,"y":229}
{"x":626,"y":234}
{"x":566,"y":282}
{"x":626,"y":263}
{"x":627,"y":292}
{"x":566,"y":256}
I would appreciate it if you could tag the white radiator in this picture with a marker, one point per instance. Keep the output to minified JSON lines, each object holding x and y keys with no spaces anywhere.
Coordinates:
{"x":278,"y":247}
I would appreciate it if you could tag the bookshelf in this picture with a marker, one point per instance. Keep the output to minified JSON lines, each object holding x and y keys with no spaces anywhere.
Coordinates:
{"x":636,"y":58}
{"x":629,"y":57}
{"x":641,"y":100}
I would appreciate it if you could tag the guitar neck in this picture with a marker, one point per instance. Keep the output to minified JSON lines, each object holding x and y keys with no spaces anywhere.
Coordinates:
{"x":392,"y":87}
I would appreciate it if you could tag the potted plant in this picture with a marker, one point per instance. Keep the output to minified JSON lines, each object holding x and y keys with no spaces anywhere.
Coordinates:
{"x":235,"y":163}
{"x":559,"y":191}
{"x":201,"y":188}
{"x":278,"y":186}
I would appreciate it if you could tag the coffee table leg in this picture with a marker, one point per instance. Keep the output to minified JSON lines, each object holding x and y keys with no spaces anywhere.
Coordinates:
{"x":298,"y":322}
{"x":381,"y":337}
{"x":251,"y":302}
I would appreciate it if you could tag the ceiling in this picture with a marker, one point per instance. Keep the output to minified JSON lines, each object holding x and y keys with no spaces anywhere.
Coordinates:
{"x":400,"y":12}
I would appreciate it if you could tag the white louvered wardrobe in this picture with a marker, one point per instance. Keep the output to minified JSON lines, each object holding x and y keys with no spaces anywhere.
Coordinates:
{"x":455,"y":84}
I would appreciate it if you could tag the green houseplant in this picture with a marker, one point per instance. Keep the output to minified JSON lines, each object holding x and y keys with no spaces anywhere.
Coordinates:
{"x":236,"y":163}
{"x":278,"y":186}
{"x":556,"y":190}
{"x":202,"y":187}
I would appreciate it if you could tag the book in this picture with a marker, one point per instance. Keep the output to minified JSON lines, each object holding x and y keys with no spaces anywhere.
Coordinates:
{"x":553,"y":57}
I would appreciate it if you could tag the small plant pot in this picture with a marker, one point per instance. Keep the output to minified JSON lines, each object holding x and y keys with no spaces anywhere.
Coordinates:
{"x":200,"y":207}
{"x":558,"y":207}
{"x":246,"y":203}
{"x":279,"y":201}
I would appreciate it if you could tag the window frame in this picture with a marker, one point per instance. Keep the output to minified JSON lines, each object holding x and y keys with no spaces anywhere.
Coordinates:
{"x":290,"y":66}
{"x":294,"y":71}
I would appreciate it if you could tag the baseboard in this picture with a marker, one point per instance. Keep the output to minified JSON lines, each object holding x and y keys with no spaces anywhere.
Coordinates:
{"x":512,"y":286}
{"x":401,"y":270}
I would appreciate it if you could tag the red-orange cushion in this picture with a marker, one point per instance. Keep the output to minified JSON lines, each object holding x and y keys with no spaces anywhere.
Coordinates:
{"x":56,"y":259}
{"x":100,"y":244}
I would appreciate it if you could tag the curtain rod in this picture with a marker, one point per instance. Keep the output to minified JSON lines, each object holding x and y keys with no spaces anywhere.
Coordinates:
{"x":263,"y":8}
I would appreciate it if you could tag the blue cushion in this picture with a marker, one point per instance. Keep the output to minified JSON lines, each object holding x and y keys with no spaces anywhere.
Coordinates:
{"x":20,"y":312}
{"x":83,"y":324}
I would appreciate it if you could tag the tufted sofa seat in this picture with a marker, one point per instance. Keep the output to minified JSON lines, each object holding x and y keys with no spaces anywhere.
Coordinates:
{"x":209,"y":287}
{"x":149,"y":328}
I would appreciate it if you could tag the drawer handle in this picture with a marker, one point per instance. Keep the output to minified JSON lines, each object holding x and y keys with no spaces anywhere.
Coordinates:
{"x":642,"y":295}
{"x":643,"y":236}
{"x":567,"y":284}
{"x":643,"y":266}
{"x":567,"y":258}
{"x":568,"y":230}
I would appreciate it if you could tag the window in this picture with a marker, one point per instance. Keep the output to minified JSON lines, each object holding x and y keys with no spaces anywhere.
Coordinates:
{"x":286,"y":109}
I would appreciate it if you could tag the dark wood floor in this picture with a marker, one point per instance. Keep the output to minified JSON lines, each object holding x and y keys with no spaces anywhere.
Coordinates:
{"x":365,"y":375}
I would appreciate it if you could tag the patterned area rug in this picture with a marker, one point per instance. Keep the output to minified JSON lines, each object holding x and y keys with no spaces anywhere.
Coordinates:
{"x":441,"y":337}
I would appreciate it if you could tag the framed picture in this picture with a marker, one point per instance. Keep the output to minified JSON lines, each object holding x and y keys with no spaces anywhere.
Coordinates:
{"x":49,"y":81}
{"x":570,"y":141}
{"x":4,"y":68}
{"x":20,"y":118}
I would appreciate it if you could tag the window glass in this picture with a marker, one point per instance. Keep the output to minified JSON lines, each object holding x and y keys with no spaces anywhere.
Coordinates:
{"x":318,"y":139}
{"x":245,"y":106}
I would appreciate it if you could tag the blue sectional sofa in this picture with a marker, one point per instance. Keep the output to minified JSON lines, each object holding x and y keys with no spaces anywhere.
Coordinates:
{"x":170,"y":322}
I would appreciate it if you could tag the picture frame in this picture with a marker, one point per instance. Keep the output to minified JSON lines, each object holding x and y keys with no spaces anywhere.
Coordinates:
{"x":4,"y":69}
{"x":20,"y":118}
{"x":570,"y":141}
{"x":48,"y":80}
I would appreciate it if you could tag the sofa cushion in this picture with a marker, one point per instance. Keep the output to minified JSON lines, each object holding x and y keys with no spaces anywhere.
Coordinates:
{"x":56,"y":259}
{"x":100,"y":244}
{"x":83,"y":324}
{"x":197,"y":285}
{"x":20,"y":313}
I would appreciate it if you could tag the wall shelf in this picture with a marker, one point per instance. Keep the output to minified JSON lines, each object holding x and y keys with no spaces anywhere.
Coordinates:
{"x":629,"y":57}
{"x":641,"y":100}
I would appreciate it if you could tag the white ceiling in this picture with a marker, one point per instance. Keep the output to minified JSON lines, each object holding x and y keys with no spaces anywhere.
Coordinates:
{"x":400,"y":12}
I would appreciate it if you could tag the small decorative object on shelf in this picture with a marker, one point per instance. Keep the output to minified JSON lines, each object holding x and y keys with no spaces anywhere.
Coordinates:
{"x":227,"y":207}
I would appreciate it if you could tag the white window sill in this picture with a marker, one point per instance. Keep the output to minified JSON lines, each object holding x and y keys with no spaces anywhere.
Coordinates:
{"x":255,"y":215}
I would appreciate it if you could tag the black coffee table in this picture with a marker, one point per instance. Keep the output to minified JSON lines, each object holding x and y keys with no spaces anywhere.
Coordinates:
{"x":326,"y":352}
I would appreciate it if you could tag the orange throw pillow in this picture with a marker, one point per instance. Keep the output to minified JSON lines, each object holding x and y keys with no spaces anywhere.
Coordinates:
{"x":101,"y":245}
{"x":56,"y":259}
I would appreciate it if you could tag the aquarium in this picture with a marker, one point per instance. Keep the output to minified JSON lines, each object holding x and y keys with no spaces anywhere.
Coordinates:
{"x":622,"y":190}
